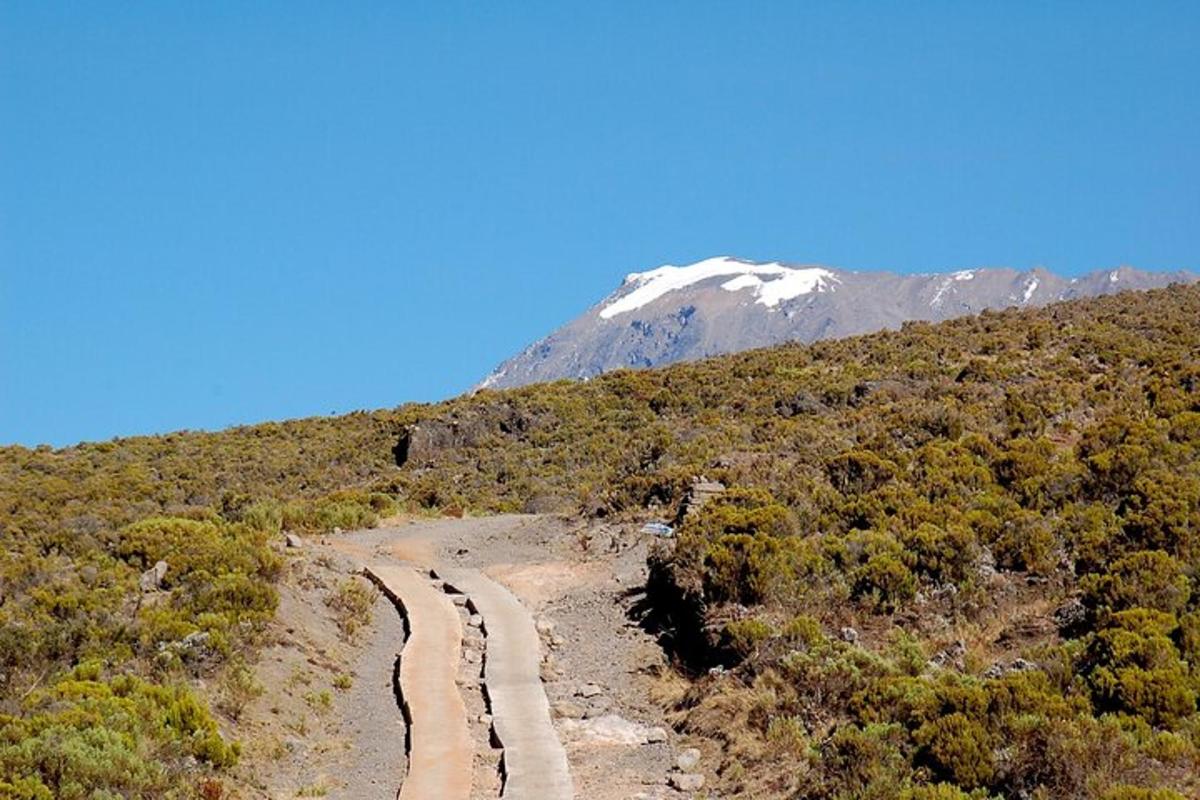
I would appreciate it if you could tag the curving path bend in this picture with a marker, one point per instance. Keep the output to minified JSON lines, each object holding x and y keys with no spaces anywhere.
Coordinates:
{"x":440,"y":751}
{"x":535,"y":762}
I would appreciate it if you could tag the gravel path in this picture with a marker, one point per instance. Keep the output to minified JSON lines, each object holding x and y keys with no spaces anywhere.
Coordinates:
{"x":535,"y":763}
{"x":602,"y":674}
{"x":376,"y":763}
{"x":440,"y":751}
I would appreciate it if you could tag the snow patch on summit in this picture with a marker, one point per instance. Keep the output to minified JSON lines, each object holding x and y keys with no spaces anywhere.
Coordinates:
{"x":742,"y":282}
{"x":939,"y":296}
{"x":792,"y":283}
{"x":781,"y":283}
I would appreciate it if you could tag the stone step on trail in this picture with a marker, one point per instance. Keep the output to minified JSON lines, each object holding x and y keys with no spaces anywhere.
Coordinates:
{"x":440,"y":751}
{"x":535,"y":763}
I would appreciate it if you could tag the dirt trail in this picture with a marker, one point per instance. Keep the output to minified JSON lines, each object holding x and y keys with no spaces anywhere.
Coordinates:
{"x":376,"y":763}
{"x":535,"y":763}
{"x":440,"y":753}
{"x":598,"y":678}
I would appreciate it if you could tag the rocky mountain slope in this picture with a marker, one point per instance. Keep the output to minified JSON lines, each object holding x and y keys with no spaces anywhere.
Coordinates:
{"x":725,"y":305}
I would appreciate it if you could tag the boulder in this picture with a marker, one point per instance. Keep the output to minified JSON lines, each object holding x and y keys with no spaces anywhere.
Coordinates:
{"x":698,"y":494}
{"x":886,"y":389}
{"x":597,"y":707}
{"x":429,"y":441}
{"x":687,"y":759}
{"x":292,"y":540}
{"x":151,"y":580}
{"x":799,"y":403}
{"x":985,"y":565}
{"x":565,"y":709}
{"x":609,"y":729}
{"x":686,"y":781}
{"x":656,"y":735}
{"x":421,"y":444}
{"x":999,"y":669}
{"x":1071,"y":616}
{"x":950,"y":658}
{"x":195,"y":647}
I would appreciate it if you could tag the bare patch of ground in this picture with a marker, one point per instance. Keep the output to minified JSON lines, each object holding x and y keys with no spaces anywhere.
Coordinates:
{"x":326,"y":723}
{"x":538,"y":584}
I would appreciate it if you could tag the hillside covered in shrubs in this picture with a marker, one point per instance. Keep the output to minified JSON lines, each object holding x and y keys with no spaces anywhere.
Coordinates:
{"x":955,"y":560}
{"x":100,"y":656}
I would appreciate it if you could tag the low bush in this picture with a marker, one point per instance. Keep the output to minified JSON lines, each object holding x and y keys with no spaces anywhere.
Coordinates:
{"x":351,"y":603}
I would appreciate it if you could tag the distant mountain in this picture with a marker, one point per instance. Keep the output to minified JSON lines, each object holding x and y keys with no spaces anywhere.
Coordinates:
{"x":723,"y":305}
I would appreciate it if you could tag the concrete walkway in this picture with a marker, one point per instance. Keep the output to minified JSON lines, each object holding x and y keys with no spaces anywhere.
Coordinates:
{"x":535,"y":763}
{"x":440,"y":752}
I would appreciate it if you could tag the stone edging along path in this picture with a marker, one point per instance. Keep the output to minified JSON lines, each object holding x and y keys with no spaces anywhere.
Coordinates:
{"x":439,"y":741}
{"x":534,"y":765}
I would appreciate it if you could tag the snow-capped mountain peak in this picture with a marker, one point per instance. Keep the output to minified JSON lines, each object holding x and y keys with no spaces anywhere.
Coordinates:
{"x":771,"y":282}
{"x":725,"y":304}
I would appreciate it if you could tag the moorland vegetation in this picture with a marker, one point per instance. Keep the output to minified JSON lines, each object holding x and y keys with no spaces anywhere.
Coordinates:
{"x":98,"y":670}
{"x":953,"y":561}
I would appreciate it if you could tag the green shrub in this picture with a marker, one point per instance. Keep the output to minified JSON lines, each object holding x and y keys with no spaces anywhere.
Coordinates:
{"x":882,"y":574}
{"x":944,"y":555}
{"x":239,"y":687}
{"x":864,"y":762}
{"x":25,"y":789}
{"x":265,"y":516}
{"x":1136,"y":668}
{"x":745,"y":635}
{"x":1026,"y":542}
{"x":84,"y":736}
{"x":788,"y":736}
{"x":351,"y":603}
{"x":859,"y":472}
{"x":1149,"y":579}
{"x":957,"y":749}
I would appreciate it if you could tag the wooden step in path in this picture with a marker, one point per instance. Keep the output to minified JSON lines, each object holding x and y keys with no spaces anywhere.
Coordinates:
{"x":534,"y":764}
{"x":440,"y":751}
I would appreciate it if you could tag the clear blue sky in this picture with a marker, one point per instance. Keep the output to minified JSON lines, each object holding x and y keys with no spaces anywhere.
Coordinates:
{"x":214,"y":213}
